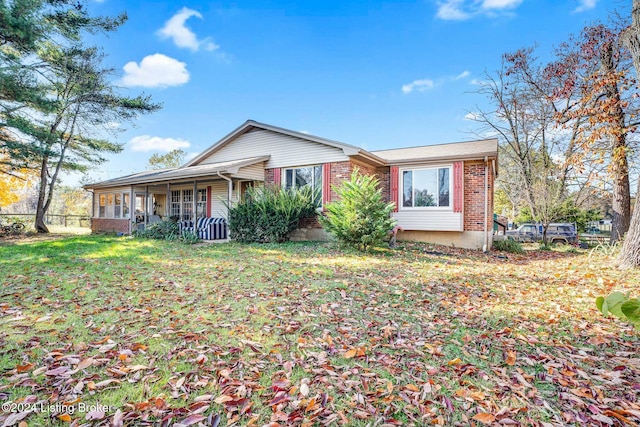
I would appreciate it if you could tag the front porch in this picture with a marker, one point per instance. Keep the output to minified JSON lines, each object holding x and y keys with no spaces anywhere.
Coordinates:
{"x":153,"y":196}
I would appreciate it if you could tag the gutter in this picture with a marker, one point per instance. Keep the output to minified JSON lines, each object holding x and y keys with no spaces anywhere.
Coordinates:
{"x":229,"y":192}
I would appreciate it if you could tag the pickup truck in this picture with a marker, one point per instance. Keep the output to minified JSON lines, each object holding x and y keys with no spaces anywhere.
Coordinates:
{"x":557,"y":233}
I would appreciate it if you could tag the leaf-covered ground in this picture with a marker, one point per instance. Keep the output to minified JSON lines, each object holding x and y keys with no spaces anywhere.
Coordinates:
{"x":130,"y":332}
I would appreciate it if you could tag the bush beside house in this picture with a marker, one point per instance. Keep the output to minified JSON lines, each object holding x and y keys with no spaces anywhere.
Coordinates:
{"x":360,"y":218}
{"x":269,"y":214}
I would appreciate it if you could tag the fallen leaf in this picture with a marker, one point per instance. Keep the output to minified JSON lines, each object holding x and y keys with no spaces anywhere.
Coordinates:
{"x":484,"y":418}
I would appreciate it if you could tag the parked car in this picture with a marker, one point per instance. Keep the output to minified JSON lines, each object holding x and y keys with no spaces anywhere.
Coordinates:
{"x":557,"y":233}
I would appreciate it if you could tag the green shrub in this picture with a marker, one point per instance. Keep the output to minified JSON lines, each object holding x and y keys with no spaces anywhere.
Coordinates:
{"x":621,"y":306}
{"x":166,"y":229}
{"x":269,"y":214}
{"x":508,"y":245}
{"x":360,"y":218}
{"x":189,"y":237}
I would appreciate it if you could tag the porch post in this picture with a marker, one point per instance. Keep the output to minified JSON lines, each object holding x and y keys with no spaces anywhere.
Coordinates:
{"x":167,"y":210}
{"x":146,"y":204}
{"x":195,"y":203}
{"x":229,"y":195}
{"x":132,"y":209}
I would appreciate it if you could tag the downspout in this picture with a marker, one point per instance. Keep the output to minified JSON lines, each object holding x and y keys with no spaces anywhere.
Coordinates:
{"x":485,"y":247}
{"x":229,"y":192}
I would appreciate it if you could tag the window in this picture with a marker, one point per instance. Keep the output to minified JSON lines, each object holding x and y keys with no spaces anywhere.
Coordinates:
{"x":175,"y":203}
{"x":113,"y":205}
{"x":428,"y":187}
{"x":125,"y":205}
{"x":201,"y":207}
{"x":109,"y":205}
{"x":117,"y":207}
{"x":187,"y":204}
{"x":102,"y":210}
{"x":308,"y":176}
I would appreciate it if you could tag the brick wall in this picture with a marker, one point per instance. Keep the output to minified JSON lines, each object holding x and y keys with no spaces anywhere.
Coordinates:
{"x":110,"y":225}
{"x":474,"y":213}
{"x":268,"y":177}
{"x":340,"y":171}
{"x":384,"y":176}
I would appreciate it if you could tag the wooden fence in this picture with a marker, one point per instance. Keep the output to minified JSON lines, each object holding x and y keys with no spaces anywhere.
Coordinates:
{"x":49,"y":219}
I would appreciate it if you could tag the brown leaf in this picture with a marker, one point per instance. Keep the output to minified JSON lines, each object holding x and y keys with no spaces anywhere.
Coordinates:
{"x":64,"y":417}
{"x":85,"y":363}
{"x":510,"y":357}
{"x":455,"y":361}
{"x":222,"y":399}
{"x":484,"y":418}
{"x":351,"y":353}
{"x":24,"y":368}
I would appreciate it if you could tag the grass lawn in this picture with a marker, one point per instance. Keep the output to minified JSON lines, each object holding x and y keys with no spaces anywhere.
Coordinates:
{"x":135,"y":332}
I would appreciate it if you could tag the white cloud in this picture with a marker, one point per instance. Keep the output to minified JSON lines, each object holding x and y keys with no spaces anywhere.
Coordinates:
{"x":500,"y":4}
{"x":451,"y":10}
{"x":585,"y":5}
{"x":176,"y":30}
{"x":462,"y":75}
{"x":156,"y":70}
{"x":460,"y":10}
{"x":418,"y":85}
{"x":471,"y":116}
{"x":422,"y":85}
{"x":156,"y":143}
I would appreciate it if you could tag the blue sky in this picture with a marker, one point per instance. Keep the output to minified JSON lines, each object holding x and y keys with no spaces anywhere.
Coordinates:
{"x":369,"y":73}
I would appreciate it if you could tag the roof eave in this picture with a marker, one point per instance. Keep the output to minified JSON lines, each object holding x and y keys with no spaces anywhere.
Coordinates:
{"x":230,"y":170}
{"x":475,"y":156}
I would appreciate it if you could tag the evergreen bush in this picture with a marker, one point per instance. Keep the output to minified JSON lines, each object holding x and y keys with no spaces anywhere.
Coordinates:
{"x":360,"y":218}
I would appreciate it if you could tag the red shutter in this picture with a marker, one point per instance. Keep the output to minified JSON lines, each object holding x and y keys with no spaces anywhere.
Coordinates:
{"x":458,"y":188}
{"x":209,"y":202}
{"x":326,"y":184}
{"x":276,"y":177}
{"x":393,"y":183}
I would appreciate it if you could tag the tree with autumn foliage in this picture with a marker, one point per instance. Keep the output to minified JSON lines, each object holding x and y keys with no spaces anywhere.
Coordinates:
{"x":592,"y":82}
{"x":537,"y":158}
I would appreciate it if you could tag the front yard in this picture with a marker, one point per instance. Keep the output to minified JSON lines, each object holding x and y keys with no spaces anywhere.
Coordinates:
{"x":131,"y":332}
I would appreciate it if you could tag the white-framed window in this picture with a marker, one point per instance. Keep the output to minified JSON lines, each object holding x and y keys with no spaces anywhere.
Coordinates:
{"x":427,"y":187}
{"x":201,"y":203}
{"x":117,"y":207}
{"x":308,"y":176}
{"x":125,"y":205}
{"x":102,"y":209}
{"x":113,"y":205}
{"x":187,"y":204}
{"x":175,"y":203}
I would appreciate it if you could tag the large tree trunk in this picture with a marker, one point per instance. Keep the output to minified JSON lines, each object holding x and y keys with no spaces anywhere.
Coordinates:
{"x":41,"y":208}
{"x":630,"y":254}
{"x":621,"y":203}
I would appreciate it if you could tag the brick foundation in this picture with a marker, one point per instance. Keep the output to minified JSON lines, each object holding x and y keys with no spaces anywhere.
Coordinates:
{"x":109,"y":225}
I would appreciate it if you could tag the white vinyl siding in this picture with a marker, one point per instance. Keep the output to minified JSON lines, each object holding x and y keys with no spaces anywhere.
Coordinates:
{"x":251,"y":172}
{"x":285,"y":151}
{"x":219,"y":196}
{"x":425,"y":220}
